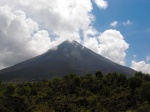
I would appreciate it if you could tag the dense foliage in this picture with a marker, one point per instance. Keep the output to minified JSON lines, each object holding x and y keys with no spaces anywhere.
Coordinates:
{"x":72,"y":93}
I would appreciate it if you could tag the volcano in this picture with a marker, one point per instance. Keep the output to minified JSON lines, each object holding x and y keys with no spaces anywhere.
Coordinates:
{"x":68,"y":57}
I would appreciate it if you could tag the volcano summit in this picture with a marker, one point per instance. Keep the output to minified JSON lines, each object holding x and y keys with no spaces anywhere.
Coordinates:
{"x":68,"y":57}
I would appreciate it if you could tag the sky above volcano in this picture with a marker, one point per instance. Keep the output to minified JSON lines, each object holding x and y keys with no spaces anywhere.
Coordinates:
{"x":117,"y":29}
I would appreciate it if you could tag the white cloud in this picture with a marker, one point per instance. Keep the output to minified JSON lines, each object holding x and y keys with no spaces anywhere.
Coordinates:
{"x":112,"y":45}
{"x":102,"y":4}
{"x":29,"y":28}
{"x":141,"y":66}
{"x":92,"y":44}
{"x":114,"y":24}
{"x":62,"y":17}
{"x":128,"y":22}
{"x":20,"y":37}
{"x":134,"y":56}
{"x":147,"y":58}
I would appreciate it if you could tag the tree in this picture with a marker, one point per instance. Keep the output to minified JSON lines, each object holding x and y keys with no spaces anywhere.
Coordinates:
{"x":99,"y":74}
{"x":77,"y":81}
{"x":10,"y":90}
{"x":146,"y":77}
{"x":135,"y":82}
{"x":15,"y":104}
{"x":139,"y":74}
{"x":146,"y":91}
{"x":122,"y":80}
{"x":24,"y":91}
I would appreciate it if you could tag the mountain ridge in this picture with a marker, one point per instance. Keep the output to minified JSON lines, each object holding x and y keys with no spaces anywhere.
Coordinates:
{"x":68,"y":57}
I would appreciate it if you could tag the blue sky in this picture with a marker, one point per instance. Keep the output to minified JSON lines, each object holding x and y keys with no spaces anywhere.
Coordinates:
{"x":136,"y":34}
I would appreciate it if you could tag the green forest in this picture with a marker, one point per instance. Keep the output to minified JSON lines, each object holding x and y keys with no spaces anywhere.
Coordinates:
{"x":72,"y":93}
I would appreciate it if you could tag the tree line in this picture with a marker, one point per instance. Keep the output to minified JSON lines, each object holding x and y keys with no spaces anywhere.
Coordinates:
{"x":72,"y":93}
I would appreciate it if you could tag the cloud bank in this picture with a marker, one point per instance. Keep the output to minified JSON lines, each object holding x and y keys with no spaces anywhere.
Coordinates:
{"x":141,"y":66}
{"x":110,"y":44}
{"x":31,"y":27}
{"x":20,"y":37}
{"x":113,"y":46}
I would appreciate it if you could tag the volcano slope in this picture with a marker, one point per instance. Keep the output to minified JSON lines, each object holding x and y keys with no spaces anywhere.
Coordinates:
{"x":68,"y":57}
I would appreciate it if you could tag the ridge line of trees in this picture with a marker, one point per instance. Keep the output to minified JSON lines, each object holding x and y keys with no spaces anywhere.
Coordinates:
{"x":72,"y":93}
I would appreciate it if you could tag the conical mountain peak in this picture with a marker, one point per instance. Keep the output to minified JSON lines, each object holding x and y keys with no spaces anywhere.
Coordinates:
{"x":72,"y":44}
{"x":69,"y":57}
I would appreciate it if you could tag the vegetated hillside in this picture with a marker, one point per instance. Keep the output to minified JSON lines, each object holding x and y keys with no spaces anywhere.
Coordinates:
{"x":73,"y":93}
{"x":69,"y":57}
